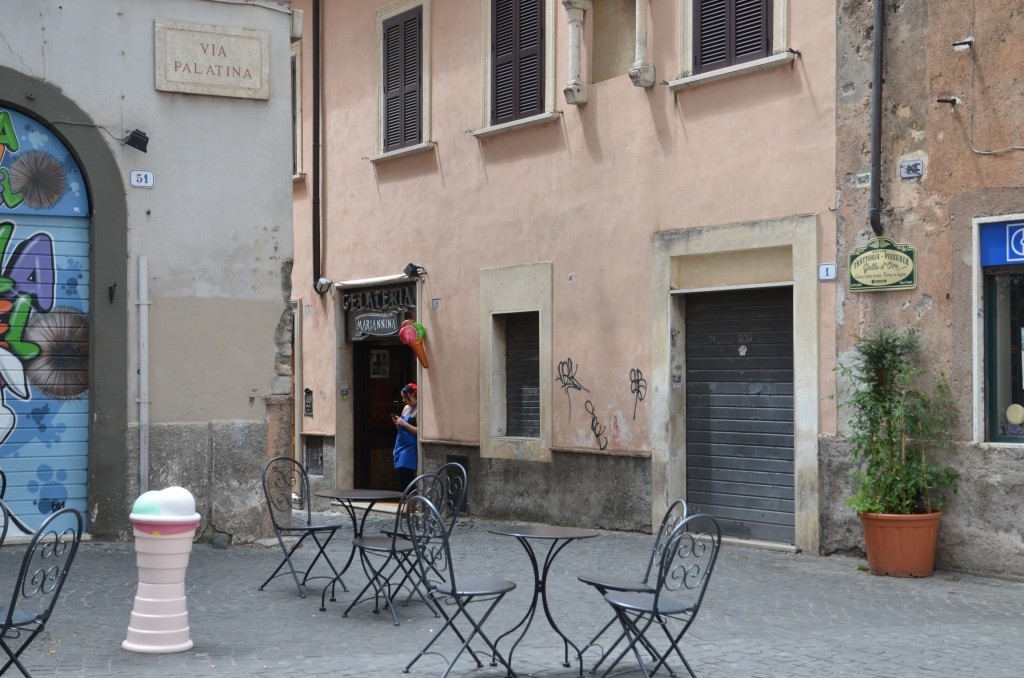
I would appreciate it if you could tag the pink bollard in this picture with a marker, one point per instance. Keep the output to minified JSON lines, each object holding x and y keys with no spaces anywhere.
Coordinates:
{"x":159,"y":621}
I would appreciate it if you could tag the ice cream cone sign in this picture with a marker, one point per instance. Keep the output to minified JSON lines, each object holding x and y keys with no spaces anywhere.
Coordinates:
{"x":413,"y":334}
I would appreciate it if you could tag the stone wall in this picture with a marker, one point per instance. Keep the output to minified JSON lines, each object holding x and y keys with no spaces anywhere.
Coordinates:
{"x":607,"y":492}
{"x":980,"y":529}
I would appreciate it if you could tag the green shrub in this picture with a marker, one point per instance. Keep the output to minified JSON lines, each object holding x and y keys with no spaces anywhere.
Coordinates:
{"x":894,"y":424}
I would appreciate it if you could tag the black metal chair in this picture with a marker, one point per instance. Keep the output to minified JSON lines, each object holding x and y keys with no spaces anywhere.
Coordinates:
{"x":684,"y":571}
{"x":282,"y":476}
{"x":44,"y":569}
{"x":604,"y":582}
{"x":446,"y":489}
{"x":4,"y":522}
{"x":389,"y":556}
{"x":429,"y":533}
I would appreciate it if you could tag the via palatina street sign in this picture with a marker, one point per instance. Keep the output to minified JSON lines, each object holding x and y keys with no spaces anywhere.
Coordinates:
{"x":883,"y":264}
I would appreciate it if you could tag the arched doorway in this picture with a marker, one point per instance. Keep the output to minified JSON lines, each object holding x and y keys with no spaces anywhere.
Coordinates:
{"x":44,"y":321}
{"x":101,"y":291}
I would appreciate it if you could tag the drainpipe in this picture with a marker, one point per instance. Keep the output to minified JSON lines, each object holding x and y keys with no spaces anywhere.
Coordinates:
{"x":874,"y":210}
{"x":143,"y":304}
{"x":315,"y":169}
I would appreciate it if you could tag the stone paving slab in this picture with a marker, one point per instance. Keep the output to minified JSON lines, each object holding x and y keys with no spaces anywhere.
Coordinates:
{"x":766,"y":613}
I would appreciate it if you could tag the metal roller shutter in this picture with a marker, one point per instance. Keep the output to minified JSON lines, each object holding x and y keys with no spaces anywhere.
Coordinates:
{"x":739,"y":411}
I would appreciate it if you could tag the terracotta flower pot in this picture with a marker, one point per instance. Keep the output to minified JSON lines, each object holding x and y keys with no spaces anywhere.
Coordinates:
{"x":900,"y":545}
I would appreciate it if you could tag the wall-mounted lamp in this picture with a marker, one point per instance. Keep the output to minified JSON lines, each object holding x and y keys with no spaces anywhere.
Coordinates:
{"x":965,"y":44}
{"x":137,"y":139}
{"x":322,"y":285}
{"x":414,"y":271}
{"x":951,"y":100}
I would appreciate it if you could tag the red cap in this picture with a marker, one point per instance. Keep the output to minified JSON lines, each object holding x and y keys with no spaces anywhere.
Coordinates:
{"x":409,"y":388}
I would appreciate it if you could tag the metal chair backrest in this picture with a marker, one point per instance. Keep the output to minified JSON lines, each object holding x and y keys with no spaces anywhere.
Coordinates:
{"x":449,"y":497}
{"x":428,"y":531}
{"x":44,"y":569}
{"x":282,"y":476}
{"x":675,"y":514}
{"x":687,"y":561}
{"x":446,"y":490}
{"x":5,"y":520}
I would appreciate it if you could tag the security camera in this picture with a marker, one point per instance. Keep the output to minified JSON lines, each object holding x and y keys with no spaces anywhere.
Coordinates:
{"x":322,"y":285}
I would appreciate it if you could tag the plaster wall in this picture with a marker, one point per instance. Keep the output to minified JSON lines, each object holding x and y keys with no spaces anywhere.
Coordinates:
{"x":216,"y":225}
{"x":586,"y":192}
{"x":971,"y":171}
{"x":215,"y":229}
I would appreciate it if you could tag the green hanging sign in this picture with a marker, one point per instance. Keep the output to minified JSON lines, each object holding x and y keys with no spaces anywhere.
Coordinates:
{"x":883,"y":264}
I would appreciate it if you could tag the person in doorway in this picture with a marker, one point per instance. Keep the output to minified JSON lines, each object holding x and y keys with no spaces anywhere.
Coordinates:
{"x":406,"y":456}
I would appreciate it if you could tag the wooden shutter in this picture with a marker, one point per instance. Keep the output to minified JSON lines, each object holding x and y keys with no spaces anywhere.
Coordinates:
{"x":518,"y":59}
{"x":522,"y":374}
{"x":730,"y":32}
{"x":402,"y":59}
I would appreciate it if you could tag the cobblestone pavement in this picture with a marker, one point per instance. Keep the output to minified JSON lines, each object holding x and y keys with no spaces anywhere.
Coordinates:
{"x":766,"y":614}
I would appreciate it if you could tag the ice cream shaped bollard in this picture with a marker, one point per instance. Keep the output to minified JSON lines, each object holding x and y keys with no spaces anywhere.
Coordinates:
{"x":165,"y":523}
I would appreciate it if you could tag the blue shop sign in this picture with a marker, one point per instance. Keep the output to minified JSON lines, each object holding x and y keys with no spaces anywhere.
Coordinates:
{"x":1002,"y":243}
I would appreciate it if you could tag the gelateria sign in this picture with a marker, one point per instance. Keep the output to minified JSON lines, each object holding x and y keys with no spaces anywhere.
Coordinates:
{"x":883,"y":264}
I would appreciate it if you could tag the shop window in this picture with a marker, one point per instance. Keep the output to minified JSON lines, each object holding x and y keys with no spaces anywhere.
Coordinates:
{"x":518,"y":333}
{"x":1004,"y":329}
{"x":1001,"y":258}
{"x":515,"y":361}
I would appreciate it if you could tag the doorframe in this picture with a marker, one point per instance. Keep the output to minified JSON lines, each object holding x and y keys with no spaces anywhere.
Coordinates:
{"x":798,"y":236}
{"x":108,"y":501}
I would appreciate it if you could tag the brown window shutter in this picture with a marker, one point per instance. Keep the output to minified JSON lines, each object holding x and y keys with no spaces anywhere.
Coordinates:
{"x":751,"y":30}
{"x":729,"y":32}
{"x":402,"y":64}
{"x":518,"y":59}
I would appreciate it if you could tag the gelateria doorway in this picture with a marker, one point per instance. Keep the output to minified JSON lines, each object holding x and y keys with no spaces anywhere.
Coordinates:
{"x":380,"y":368}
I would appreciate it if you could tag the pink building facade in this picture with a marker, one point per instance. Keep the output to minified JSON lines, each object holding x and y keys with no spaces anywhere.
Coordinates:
{"x":611,"y":220}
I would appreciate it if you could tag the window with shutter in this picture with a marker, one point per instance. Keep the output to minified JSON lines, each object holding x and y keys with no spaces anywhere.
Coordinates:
{"x":402,"y":38}
{"x":518,"y":59}
{"x":522,"y":374}
{"x":730,"y":32}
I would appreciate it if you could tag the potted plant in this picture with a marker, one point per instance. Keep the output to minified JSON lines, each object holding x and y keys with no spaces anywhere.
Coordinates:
{"x":895,"y":422}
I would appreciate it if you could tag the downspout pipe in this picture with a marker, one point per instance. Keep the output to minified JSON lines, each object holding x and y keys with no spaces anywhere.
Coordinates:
{"x":315,"y":169}
{"x":143,"y":374}
{"x":874,"y":209}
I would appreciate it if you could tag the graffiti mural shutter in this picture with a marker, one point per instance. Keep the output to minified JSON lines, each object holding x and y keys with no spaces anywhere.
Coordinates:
{"x":44,"y":321}
{"x":739,"y":411}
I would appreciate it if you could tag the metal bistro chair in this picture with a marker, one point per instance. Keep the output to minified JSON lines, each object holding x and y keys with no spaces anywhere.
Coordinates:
{"x":604,"y":582}
{"x":44,"y":569}
{"x":684,"y":570}
{"x":4,"y":522}
{"x":390,"y":555}
{"x":281,"y":476}
{"x":446,"y":489}
{"x":428,"y":531}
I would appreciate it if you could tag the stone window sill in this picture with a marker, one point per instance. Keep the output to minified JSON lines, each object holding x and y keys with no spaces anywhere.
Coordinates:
{"x":532,"y":121}
{"x":402,"y":152}
{"x":774,"y":61}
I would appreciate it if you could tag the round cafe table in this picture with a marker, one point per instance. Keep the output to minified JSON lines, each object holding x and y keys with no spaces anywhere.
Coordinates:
{"x":348,"y":498}
{"x":558,"y":538}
